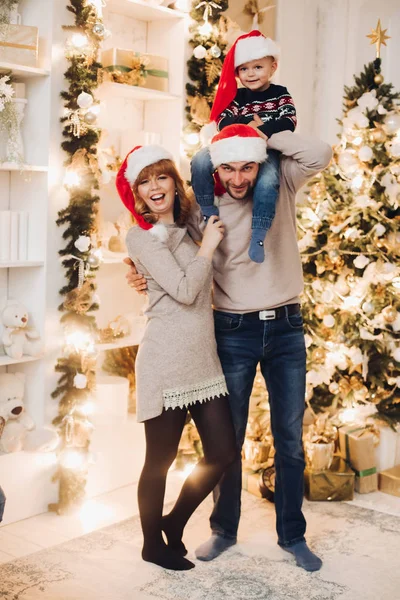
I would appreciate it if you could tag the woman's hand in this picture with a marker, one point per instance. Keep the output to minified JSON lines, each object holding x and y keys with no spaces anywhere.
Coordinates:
{"x":135,"y":279}
{"x":213,"y":235}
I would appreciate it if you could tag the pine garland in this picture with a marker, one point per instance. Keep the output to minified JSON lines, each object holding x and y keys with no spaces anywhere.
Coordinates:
{"x":204,"y":72}
{"x":77,"y":365}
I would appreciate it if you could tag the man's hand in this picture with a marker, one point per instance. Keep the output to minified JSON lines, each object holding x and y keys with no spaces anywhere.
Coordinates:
{"x":135,"y":279}
{"x":255,"y":124}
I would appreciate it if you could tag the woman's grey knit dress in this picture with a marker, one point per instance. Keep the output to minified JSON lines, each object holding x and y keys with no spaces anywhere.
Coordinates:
{"x":177,"y":363}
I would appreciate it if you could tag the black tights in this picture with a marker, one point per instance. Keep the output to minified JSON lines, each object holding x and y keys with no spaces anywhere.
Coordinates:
{"x":214,"y":424}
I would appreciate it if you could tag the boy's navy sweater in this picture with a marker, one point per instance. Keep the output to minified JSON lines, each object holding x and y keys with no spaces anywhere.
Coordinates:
{"x":274,"y":106}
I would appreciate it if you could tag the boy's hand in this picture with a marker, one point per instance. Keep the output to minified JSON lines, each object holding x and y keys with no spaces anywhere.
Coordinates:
{"x":135,"y":279}
{"x":255,"y":124}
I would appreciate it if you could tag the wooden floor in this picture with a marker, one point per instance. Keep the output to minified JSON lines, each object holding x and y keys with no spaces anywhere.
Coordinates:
{"x":29,"y":536}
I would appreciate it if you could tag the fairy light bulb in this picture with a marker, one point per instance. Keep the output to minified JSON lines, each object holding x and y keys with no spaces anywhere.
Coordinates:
{"x":71,"y":459}
{"x":205,"y":29}
{"x":79,"y":41}
{"x":192,"y":139}
{"x":71,"y":178}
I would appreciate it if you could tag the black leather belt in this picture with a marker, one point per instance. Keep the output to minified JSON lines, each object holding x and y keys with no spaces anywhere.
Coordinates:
{"x":273,"y":313}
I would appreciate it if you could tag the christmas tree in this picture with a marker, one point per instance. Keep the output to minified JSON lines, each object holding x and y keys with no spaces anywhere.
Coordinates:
{"x":350,"y":244}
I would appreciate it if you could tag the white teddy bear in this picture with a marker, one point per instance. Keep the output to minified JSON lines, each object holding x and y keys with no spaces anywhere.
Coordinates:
{"x":18,"y":428}
{"x":18,"y":339}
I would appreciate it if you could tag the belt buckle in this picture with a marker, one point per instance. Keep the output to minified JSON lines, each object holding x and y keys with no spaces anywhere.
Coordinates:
{"x":266,"y":315}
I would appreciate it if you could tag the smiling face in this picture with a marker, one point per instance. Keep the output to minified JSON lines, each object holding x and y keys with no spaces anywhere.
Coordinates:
{"x":238,"y":178}
{"x":256,"y":74}
{"x":158,"y":193}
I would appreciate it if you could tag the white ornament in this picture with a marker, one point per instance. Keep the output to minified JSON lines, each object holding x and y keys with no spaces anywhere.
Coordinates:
{"x":396,"y":354}
{"x":327,"y":296}
{"x":392,"y":123}
{"x":361,"y":261}
{"x":368,"y":101}
{"x":395,"y":149}
{"x":199,"y":52}
{"x":84,"y":100}
{"x":329,"y":321}
{"x":379,"y":229}
{"x":382,"y":110}
{"x":348,"y":162}
{"x":80,"y":381}
{"x":368,"y":308}
{"x":82,"y":243}
{"x":356,"y":117}
{"x":365,"y":153}
{"x":308,"y":340}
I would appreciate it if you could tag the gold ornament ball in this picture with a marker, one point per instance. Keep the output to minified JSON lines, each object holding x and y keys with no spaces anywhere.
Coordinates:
{"x":378,"y":136}
{"x":318,"y":355}
{"x":378,"y":79}
{"x":389,"y":314}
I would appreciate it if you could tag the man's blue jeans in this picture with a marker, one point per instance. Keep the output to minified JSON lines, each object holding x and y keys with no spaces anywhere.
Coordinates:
{"x":278,"y":345}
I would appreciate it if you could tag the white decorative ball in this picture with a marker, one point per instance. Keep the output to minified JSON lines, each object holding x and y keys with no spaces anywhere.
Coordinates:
{"x":396,"y":355}
{"x":327,"y":295}
{"x":328,"y":321}
{"x":365,"y":153}
{"x":392,"y":123}
{"x":395,"y":150}
{"x":361,"y":261}
{"x":368,"y":308}
{"x":379,"y":229}
{"x":90,"y":118}
{"x":199,"y":52}
{"x":368,"y":100}
{"x":215,"y":51}
{"x":82,"y":243}
{"x":348,"y":162}
{"x":84,"y":100}
{"x":80,"y":381}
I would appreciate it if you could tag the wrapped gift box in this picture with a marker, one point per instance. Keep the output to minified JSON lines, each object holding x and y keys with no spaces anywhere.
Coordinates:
{"x":251,"y":482}
{"x":337,"y":483}
{"x":357,"y":447}
{"x":388,"y":450}
{"x":156,"y":73}
{"x":19,"y":44}
{"x":153,"y":74}
{"x":389,"y":481}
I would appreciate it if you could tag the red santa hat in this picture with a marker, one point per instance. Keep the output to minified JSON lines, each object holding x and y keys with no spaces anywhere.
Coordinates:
{"x":135,"y":161}
{"x":247,"y":47}
{"x":237,"y":143}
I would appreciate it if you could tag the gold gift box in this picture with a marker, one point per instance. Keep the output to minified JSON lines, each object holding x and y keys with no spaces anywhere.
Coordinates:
{"x":358,"y":449}
{"x":251,"y":482}
{"x":157,"y":73}
{"x":337,"y":483}
{"x":389,"y":481}
{"x":19,"y":45}
{"x":116,"y":59}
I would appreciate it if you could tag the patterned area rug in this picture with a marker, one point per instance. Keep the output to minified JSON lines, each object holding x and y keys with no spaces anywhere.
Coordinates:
{"x":360,"y":549}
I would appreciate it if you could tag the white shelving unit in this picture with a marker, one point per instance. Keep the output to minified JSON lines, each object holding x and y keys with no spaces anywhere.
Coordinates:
{"x":26,"y":188}
{"x":142,"y":11}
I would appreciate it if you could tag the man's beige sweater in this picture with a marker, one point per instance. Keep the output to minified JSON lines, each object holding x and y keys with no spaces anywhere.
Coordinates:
{"x":240,"y":285}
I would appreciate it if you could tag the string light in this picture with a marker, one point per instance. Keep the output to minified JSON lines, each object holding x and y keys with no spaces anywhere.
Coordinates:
{"x":72,"y":459}
{"x":206,"y":29}
{"x":79,"y":41}
{"x":80,"y":341}
{"x":71,"y":179}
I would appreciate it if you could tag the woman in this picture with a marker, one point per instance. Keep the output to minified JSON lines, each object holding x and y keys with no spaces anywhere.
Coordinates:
{"x":177,"y":364}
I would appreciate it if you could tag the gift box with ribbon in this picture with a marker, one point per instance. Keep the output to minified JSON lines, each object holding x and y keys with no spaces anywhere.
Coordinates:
{"x":336,"y":483}
{"x":136,"y":68}
{"x":389,"y":481}
{"x":357,"y":447}
{"x":19,"y":44}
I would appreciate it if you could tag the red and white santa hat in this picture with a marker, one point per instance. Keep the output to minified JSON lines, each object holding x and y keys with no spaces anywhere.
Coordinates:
{"x":247,"y":47}
{"x":237,"y":143}
{"x":135,"y":161}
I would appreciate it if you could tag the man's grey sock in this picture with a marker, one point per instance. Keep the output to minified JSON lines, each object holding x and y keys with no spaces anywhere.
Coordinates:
{"x":213,"y":547}
{"x":304,"y":557}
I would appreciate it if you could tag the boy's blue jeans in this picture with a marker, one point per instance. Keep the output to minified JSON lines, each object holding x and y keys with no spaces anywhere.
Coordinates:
{"x":278,"y":345}
{"x":2,"y":504}
{"x":265,"y":193}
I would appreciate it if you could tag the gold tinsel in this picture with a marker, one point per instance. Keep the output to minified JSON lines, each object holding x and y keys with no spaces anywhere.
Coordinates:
{"x":79,"y":300}
{"x":199,"y":110}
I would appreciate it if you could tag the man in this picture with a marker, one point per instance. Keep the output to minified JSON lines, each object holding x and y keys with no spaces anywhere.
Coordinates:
{"x":258,"y":321}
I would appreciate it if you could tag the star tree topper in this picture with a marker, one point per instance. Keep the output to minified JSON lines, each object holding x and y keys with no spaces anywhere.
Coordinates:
{"x":378,"y":37}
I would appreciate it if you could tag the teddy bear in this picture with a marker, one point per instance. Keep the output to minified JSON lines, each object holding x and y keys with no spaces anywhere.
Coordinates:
{"x":19,"y":339}
{"x":17,"y":428}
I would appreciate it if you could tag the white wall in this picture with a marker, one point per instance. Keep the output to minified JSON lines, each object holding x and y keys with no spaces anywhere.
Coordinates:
{"x":323,"y":45}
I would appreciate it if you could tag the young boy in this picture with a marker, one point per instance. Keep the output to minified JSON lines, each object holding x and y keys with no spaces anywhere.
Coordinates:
{"x":253,"y":59}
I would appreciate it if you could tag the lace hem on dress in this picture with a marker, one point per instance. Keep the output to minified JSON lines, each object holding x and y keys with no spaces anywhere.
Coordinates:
{"x":181,"y":397}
